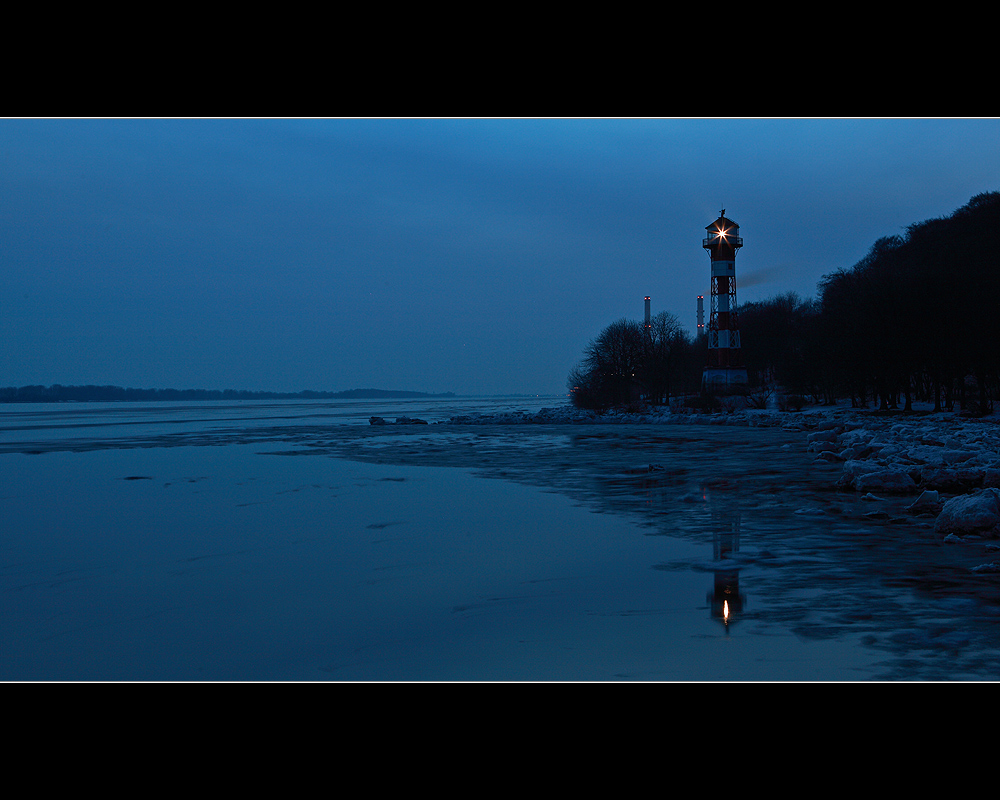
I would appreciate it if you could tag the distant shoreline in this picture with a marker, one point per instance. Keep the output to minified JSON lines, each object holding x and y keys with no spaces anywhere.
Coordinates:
{"x":112,"y":394}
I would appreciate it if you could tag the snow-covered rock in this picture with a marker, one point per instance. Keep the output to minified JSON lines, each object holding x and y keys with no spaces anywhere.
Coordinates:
{"x":956,"y":456}
{"x":951,"y":480}
{"x":977,"y":513}
{"x":873,"y":476}
{"x":893,"y":481}
{"x":897,"y":453}
{"x":945,"y":453}
{"x":991,"y":477}
{"x":823,"y":446}
{"x":827,"y":435}
{"x":855,"y":451}
{"x":854,"y":468}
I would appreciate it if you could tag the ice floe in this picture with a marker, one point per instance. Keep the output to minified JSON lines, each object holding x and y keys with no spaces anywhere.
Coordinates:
{"x":975,"y":513}
{"x":933,"y":456}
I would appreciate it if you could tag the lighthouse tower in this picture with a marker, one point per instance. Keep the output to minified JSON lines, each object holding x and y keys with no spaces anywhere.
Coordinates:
{"x":724,"y":369}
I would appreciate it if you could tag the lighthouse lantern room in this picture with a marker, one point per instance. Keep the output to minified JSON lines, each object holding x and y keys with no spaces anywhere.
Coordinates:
{"x":724,"y":370}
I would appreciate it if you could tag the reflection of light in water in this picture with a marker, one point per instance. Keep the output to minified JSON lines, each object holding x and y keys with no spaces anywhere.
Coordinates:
{"x":725,"y":600}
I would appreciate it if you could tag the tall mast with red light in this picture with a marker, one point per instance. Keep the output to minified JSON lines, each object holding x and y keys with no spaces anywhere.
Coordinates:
{"x":725,"y":365}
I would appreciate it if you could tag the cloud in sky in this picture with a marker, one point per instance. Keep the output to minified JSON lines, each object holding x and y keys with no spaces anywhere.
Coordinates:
{"x":466,"y":255}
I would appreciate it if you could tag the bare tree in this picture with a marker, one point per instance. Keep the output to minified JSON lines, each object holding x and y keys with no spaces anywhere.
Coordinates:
{"x":628,"y":361}
{"x":607,"y":375}
{"x":665,"y":340}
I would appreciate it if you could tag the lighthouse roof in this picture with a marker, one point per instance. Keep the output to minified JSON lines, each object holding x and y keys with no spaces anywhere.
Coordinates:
{"x":726,"y":222}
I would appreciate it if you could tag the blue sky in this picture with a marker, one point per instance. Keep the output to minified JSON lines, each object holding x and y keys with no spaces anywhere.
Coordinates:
{"x":470,"y":255}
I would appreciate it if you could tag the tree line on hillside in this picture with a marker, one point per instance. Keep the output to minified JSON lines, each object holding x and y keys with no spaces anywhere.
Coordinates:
{"x":915,"y":319}
{"x":56,"y":393}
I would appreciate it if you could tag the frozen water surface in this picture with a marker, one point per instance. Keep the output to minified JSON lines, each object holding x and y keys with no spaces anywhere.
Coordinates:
{"x":294,"y":541}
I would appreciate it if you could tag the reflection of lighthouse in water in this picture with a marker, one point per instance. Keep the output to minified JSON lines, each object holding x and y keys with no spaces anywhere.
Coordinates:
{"x":725,"y":601}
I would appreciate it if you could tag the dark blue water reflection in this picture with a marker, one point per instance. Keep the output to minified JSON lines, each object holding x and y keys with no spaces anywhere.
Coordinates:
{"x":296,"y":542}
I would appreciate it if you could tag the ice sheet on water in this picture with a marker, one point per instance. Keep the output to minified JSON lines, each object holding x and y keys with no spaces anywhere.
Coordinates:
{"x":730,"y":494}
{"x":41,"y":427}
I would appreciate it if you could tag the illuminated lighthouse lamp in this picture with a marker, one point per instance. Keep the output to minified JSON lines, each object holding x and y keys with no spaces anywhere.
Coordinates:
{"x":723,"y":232}
{"x":724,"y":370}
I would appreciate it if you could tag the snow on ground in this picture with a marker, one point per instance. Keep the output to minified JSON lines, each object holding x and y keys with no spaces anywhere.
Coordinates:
{"x":949,"y":462}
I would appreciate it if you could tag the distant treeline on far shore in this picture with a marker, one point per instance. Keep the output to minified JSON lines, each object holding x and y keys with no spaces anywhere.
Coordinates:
{"x":57,"y":393}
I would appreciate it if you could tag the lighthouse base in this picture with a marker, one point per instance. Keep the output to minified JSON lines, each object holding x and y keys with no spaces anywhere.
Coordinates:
{"x":719,"y":380}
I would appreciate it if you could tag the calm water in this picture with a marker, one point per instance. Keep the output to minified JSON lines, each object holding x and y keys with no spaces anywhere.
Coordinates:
{"x":294,"y":541}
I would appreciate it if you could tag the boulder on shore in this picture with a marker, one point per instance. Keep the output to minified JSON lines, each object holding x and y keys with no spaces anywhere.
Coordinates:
{"x":951,"y":480}
{"x":977,"y":513}
{"x":893,"y":481}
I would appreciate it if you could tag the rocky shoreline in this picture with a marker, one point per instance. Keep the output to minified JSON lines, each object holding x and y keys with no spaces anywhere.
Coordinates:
{"x":950,"y":463}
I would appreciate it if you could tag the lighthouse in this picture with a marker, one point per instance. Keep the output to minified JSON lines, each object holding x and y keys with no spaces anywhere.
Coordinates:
{"x":724,"y":369}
